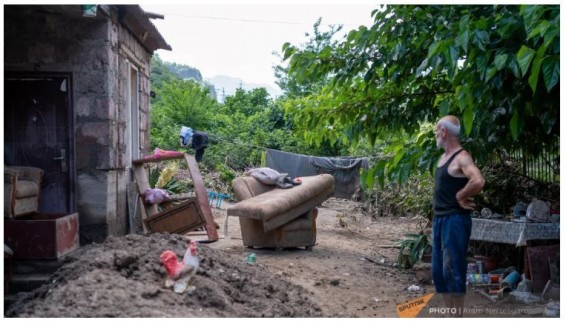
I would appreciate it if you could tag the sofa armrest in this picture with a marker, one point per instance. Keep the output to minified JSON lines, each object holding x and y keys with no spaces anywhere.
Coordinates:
{"x":246,"y":187}
{"x":10,"y":175}
{"x":27,"y":173}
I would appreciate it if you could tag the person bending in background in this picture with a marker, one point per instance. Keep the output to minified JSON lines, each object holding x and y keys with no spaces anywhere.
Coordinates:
{"x":457,"y":180}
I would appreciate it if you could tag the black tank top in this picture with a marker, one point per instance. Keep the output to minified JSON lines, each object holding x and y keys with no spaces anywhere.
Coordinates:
{"x":445,"y":188}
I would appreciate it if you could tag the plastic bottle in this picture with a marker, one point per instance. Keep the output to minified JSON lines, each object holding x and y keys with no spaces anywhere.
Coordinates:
{"x":525,"y":285}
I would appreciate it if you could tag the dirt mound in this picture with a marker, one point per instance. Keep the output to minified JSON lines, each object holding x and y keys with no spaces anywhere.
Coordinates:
{"x":124,"y":278}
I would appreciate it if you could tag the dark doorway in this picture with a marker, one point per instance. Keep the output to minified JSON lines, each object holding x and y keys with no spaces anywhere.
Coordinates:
{"x":38,"y":132}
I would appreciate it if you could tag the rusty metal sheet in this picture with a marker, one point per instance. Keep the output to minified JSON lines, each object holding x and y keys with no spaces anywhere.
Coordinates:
{"x":42,"y":236}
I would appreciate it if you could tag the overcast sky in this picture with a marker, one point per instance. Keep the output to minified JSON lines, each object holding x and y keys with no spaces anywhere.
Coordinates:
{"x":237,"y":38}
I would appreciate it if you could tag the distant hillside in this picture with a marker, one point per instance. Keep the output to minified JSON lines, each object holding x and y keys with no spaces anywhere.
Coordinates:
{"x":185,"y":72}
{"x":220,"y":86}
{"x":162,"y":71}
{"x":227,"y":85}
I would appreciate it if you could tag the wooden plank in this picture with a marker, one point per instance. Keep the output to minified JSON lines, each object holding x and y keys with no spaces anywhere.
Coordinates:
{"x":143,"y":184}
{"x":202,"y":197}
{"x":143,"y":214}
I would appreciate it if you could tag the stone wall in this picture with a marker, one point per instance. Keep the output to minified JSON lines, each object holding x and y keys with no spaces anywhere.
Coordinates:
{"x":96,"y":52}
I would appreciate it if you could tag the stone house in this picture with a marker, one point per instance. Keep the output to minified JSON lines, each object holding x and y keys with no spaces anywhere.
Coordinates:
{"x":76,"y":104}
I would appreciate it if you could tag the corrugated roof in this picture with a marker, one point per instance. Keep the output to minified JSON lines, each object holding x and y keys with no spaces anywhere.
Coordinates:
{"x":135,"y":18}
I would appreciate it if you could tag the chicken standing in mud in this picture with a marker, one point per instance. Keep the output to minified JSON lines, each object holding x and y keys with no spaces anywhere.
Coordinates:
{"x":180,"y":273}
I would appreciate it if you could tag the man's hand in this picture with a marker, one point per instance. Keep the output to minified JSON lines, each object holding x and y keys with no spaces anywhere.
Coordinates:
{"x":466,"y":202}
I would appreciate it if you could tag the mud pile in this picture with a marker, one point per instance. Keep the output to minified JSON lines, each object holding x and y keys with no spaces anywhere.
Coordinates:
{"x":124,"y":278}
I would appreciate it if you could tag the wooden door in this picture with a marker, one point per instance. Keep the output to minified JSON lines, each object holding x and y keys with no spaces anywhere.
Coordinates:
{"x":38,"y":131}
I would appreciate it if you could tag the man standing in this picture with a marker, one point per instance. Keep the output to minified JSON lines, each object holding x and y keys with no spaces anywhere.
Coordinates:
{"x":457,"y":180}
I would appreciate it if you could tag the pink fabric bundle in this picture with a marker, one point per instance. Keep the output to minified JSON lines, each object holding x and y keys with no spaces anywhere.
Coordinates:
{"x":156,"y":195}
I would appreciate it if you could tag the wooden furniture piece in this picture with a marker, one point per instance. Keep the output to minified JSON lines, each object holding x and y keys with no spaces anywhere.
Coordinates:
{"x":188,"y":215}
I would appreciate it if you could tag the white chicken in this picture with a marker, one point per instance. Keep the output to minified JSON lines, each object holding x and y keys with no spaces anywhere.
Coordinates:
{"x":181,"y":273}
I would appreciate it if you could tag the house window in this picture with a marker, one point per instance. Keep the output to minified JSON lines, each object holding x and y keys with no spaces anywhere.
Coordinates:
{"x":133,"y":120}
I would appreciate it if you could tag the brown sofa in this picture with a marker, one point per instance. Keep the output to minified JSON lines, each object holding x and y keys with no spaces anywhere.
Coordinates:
{"x":279,"y":218}
{"x":22,"y":186}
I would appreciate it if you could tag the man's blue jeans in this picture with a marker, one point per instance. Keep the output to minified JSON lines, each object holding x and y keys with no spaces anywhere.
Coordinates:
{"x":450,"y":238}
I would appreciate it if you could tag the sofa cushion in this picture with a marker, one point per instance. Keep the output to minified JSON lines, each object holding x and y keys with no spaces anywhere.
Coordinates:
{"x":277,"y":206}
{"x":26,"y":188}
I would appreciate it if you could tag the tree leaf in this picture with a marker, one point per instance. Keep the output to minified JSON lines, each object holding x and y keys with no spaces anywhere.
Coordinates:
{"x":464,"y":39}
{"x":500,"y":61}
{"x":524,"y":57}
{"x":535,"y":71}
{"x":481,"y":38}
{"x":490,"y":73}
{"x":540,"y":29}
{"x":514,"y":67}
{"x":551,"y":71}
{"x":464,"y":22}
{"x":369,"y":177}
{"x":434,"y":49}
{"x":550,"y":35}
{"x":398,"y":155}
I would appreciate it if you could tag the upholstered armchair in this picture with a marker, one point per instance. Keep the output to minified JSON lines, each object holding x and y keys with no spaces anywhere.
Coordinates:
{"x":280,"y":218}
{"x":22,"y":186}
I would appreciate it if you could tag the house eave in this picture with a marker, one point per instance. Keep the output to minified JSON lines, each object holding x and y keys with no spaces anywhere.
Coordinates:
{"x":135,"y":19}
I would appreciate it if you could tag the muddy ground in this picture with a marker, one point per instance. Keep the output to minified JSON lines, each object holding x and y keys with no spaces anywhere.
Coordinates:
{"x":351,"y":272}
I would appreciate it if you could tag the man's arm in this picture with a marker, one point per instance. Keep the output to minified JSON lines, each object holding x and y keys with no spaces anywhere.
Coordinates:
{"x":475,"y":182}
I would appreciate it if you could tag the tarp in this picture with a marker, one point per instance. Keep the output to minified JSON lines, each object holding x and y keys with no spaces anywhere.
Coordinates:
{"x":346,"y":170}
{"x":295,"y":165}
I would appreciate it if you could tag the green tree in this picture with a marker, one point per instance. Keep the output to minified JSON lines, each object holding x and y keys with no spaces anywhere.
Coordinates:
{"x":248,"y":102}
{"x":181,"y":103}
{"x":496,"y":67}
{"x":247,"y":124}
{"x":320,"y":43}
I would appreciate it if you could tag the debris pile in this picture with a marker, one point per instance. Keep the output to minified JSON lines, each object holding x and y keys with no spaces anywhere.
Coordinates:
{"x":123,"y":277}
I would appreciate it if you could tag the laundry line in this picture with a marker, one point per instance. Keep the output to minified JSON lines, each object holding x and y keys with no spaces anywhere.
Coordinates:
{"x":216,"y":137}
{"x":344,"y":169}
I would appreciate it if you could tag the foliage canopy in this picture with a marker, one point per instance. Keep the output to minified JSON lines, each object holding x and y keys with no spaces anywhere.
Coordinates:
{"x":496,"y":67}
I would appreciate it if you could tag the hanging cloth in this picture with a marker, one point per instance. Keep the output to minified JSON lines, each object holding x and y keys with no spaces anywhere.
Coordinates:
{"x":186,"y":136}
{"x":199,"y":144}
